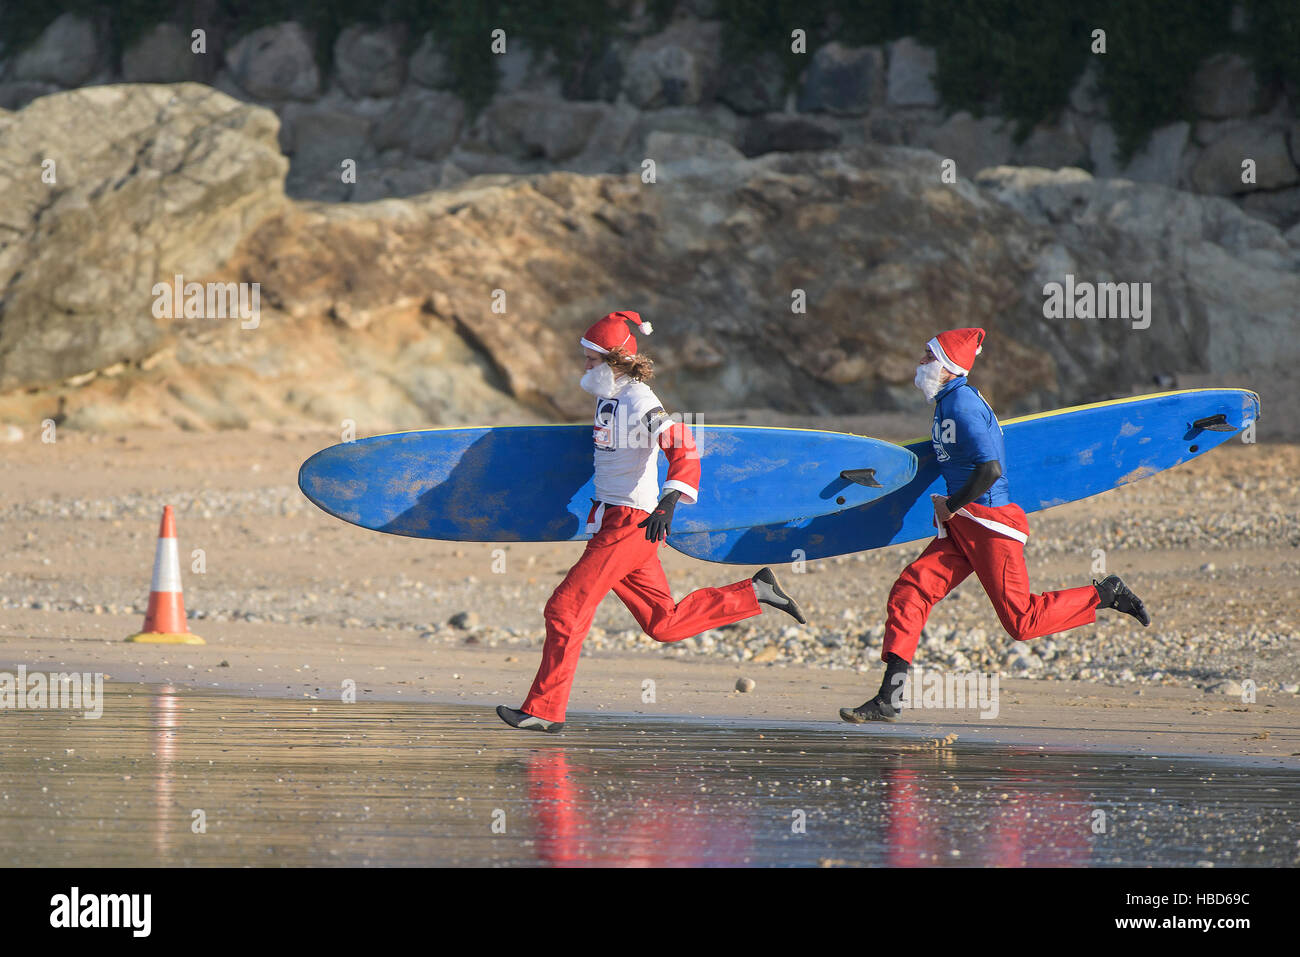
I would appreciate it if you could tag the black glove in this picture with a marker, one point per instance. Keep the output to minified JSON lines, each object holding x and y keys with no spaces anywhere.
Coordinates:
{"x":657,"y":522}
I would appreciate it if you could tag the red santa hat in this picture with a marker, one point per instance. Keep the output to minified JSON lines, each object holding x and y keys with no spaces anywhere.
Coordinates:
{"x":956,"y":349}
{"x":611,"y":332}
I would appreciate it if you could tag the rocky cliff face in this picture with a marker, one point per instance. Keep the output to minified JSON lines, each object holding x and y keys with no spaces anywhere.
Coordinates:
{"x":465,"y":304}
{"x":387,"y":101}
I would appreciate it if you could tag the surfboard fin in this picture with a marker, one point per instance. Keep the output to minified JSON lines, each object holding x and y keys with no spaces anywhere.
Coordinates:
{"x":1213,"y":423}
{"x":865,"y":477}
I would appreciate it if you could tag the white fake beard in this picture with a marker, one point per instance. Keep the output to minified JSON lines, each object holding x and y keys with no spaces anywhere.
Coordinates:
{"x":927,"y":379}
{"x":599,"y":380}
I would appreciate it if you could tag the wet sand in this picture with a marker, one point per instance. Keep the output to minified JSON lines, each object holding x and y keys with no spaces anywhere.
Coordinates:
{"x":396,"y":666}
{"x":290,"y":782}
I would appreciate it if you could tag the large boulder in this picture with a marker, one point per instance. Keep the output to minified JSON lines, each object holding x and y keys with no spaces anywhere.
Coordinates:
{"x":845,"y":81}
{"x":390,"y":313}
{"x":1160,"y":160}
{"x":1224,"y":86}
{"x":275,"y":63}
{"x":1223,"y":284}
{"x":424,"y":123}
{"x":164,"y":55}
{"x":527,"y":125}
{"x":368,"y":61}
{"x":150,"y":182}
{"x":1218,"y":170}
{"x":974,"y":143}
{"x":67,"y":53}
{"x":756,"y":85}
{"x":788,"y":133}
{"x":676,"y":67}
{"x":911,"y":74}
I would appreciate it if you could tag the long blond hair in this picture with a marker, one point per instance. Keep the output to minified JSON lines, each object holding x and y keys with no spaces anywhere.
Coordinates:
{"x":638,"y":367}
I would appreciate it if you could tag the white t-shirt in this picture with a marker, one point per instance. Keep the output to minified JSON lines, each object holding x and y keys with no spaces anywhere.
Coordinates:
{"x":625,"y":435}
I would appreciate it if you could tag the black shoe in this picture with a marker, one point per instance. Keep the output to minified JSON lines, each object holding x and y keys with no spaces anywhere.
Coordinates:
{"x":770,"y":592}
{"x":877,"y":709}
{"x":1113,"y":593}
{"x":522,"y":719}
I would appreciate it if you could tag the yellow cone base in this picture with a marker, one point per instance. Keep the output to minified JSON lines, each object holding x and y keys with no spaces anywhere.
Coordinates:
{"x":167,"y":638}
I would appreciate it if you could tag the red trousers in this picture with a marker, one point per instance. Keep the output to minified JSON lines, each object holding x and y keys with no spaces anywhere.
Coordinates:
{"x":999,"y":561}
{"x":620,"y":558}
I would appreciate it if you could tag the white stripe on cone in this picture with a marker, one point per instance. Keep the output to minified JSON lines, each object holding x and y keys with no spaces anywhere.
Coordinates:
{"x":166,"y":567}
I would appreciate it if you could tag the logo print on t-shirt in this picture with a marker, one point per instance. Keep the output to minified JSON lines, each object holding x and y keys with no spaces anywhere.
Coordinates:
{"x":936,"y":439}
{"x":606,"y":415}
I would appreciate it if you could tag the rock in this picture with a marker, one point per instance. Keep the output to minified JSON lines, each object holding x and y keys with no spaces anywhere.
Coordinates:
{"x":745,"y":685}
{"x":1051,"y":146}
{"x":911,"y":74}
{"x":676,"y":67}
{"x":787,"y":133}
{"x":408,"y":179}
{"x":1223,"y":86}
{"x":1159,"y":161}
{"x":200,"y":172}
{"x":1191,"y":247}
{"x":974,"y":144}
{"x":754,"y":86}
{"x":1219,"y":169}
{"x":769,"y":653}
{"x":1229,"y":687}
{"x":428,"y":65}
{"x":323,"y":138}
{"x":424,"y":123}
{"x":685,"y":153}
{"x":613,"y":136}
{"x":526,"y":125}
{"x":163,"y":55}
{"x":66,"y":53}
{"x":714,"y":120}
{"x":464,"y":620}
{"x":368,"y":60}
{"x":275,"y":63}
{"x":193,"y":178}
{"x":845,"y":81}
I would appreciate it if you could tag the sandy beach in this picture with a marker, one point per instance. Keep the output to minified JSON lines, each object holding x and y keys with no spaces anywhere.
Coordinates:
{"x":294,"y":603}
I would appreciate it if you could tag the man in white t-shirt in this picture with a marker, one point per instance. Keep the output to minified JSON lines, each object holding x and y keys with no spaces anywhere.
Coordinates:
{"x":630,"y":517}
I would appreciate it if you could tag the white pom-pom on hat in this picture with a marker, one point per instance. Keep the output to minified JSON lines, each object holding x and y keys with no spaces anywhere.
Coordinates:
{"x":646,"y":328}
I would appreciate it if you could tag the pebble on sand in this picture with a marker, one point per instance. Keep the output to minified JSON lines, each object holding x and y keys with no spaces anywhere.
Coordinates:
{"x":744,"y":685}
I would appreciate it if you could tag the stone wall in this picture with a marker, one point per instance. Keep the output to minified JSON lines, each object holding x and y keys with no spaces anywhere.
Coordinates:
{"x":386,"y":105}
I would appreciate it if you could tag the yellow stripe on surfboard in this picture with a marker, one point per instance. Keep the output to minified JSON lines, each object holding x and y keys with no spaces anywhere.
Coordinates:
{"x":1099,"y":405}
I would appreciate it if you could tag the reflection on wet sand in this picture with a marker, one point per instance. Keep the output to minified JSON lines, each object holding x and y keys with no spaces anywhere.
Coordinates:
{"x":285,"y":782}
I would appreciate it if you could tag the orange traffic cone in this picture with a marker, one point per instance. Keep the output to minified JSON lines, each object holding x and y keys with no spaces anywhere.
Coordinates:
{"x":164,"y":622}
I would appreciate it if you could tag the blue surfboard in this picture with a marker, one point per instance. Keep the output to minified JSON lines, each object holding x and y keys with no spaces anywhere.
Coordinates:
{"x":535,"y":483}
{"x":1052,"y":458}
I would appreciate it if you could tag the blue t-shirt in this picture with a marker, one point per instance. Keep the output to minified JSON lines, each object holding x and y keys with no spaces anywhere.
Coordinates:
{"x":966,"y":433}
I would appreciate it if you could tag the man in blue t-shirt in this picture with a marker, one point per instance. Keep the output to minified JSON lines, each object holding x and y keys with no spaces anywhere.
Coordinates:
{"x":981,"y":530}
